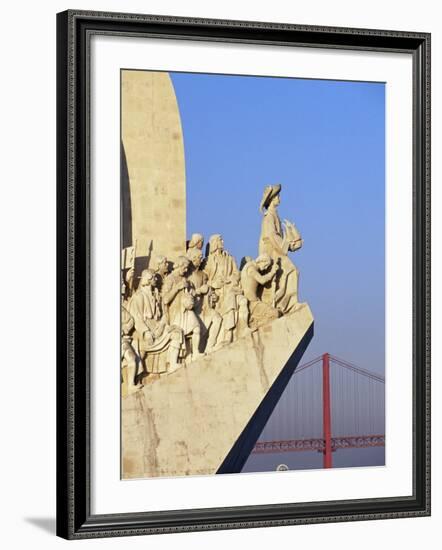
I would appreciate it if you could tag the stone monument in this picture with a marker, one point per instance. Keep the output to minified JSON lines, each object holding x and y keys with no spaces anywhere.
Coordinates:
{"x":207,"y":348}
{"x":153,"y":150}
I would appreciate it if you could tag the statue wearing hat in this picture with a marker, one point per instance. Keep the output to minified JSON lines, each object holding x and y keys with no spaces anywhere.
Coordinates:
{"x":277,"y":241}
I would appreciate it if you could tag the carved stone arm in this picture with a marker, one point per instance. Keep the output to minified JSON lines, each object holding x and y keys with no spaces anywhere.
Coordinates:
{"x":203,"y":289}
{"x":280,"y":245}
{"x":264,"y":279}
{"x":170,"y":291}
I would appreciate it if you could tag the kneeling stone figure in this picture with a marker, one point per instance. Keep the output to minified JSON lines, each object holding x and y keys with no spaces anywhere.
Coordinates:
{"x":252,"y":282}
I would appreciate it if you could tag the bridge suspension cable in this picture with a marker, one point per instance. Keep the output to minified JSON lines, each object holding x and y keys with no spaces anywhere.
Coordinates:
{"x":338,"y":405}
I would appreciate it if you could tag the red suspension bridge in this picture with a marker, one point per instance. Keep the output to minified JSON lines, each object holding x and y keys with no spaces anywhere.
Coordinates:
{"x":329,"y":404}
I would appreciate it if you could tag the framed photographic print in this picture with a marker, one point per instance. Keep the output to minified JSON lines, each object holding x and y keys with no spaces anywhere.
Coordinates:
{"x":243,"y":274}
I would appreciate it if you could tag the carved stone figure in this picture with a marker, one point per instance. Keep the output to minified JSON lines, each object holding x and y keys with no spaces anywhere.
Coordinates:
{"x":235,"y":310}
{"x":212,"y":321}
{"x":220,"y":268}
{"x":153,"y":336}
{"x":161,"y":266}
{"x":253,"y":279}
{"x":196,"y":241}
{"x":128,"y":282}
{"x":205,"y":299}
{"x":197,"y":277}
{"x":220,"y":265}
{"x":180,"y":303}
{"x":128,"y":355}
{"x":284,"y":293}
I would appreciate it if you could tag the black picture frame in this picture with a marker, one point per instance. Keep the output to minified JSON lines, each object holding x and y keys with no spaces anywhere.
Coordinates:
{"x":74,"y":518}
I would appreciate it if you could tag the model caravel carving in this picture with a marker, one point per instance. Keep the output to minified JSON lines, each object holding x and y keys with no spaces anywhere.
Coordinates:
{"x":207,"y":346}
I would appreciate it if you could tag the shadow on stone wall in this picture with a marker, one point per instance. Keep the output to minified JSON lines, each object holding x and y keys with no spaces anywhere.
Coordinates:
{"x":126,"y":207}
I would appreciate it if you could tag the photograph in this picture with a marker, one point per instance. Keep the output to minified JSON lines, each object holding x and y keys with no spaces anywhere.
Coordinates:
{"x":243,"y":229}
{"x":252,"y":274}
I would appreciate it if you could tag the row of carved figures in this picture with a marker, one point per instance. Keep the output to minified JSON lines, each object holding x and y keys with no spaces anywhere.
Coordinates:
{"x":183,"y":310}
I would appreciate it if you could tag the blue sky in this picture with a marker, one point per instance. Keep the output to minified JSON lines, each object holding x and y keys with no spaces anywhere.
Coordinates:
{"x":324,"y":141}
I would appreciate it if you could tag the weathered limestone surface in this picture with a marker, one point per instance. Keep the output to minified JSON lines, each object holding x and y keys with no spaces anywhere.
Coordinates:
{"x":196,"y":414}
{"x":154,"y":149}
{"x":206,"y":417}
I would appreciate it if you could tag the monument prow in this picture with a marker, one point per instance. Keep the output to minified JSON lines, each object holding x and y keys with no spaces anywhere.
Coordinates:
{"x":207,"y":348}
{"x":206,"y":417}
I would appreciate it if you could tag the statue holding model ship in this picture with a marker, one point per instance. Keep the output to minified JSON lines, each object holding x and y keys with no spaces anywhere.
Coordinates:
{"x":276,"y":243}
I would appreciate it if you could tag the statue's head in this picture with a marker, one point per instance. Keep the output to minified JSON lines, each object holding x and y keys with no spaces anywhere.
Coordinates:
{"x":263,"y":261}
{"x":181,"y":265}
{"x":216,"y":242}
{"x":212,"y":298}
{"x":162,"y":265}
{"x":148,"y":278}
{"x":195,"y":256}
{"x":196,"y":241}
{"x":270,"y":196}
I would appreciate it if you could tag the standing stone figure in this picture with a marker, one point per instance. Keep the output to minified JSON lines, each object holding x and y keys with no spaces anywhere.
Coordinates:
{"x":204,"y":299}
{"x":212,"y":321}
{"x":197,"y":277}
{"x":153,"y":336}
{"x":284,"y":293}
{"x":177,"y":296}
{"x":253,"y":280}
{"x":220,"y":268}
{"x":236,"y":311}
{"x":128,"y":355}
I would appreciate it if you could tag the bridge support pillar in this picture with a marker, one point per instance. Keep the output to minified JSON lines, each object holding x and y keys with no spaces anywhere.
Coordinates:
{"x":326,"y":410}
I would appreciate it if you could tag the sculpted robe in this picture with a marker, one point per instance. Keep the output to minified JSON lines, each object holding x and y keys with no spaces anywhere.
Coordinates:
{"x":271,"y":241}
{"x":211,"y":320}
{"x":253,"y":282}
{"x":127,"y":327}
{"x":219,"y":269}
{"x":198,"y":279}
{"x":128,"y":355}
{"x":283,"y":294}
{"x":145,"y":308}
{"x":177,"y":310}
{"x":152,"y":335}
